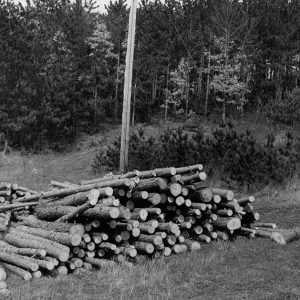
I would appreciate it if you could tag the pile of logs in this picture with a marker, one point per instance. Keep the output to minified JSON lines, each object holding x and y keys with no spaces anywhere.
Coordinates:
{"x":119,"y":219}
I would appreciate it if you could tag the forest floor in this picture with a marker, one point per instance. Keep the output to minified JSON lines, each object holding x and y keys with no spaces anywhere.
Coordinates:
{"x":243,"y":269}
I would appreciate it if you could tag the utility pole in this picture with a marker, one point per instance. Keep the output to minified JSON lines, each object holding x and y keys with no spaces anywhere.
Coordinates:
{"x":127,"y":89}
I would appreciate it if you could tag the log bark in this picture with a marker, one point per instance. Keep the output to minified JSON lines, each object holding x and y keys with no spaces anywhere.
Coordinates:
{"x":17,"y":205}
{"x":143,"y":247}
{"x":18,"y":261}
{"x":245,"y":200}
{"x":25,"y":240}
{"x":110,"y":178}
{"x":153,"y":239}
{"x":163,"y":172}
{"x":32,"y":221}
{"x":76,"y":213}
{"x":98,"y":212}
{"x":5,"y":247}
{"x":152,"y":184}
{"x":188,"y":179}
{"x":189,"y":169}
{"x":192,"y":245}
{"x":223,"y":193}
{"x":59,"y":237}
{"x":18,"y":271}
{"x":227,"y":223}
{"x":204,"y":195}
{"x":84,"y":188}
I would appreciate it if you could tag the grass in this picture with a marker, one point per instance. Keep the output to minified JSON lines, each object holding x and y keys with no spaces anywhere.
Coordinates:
{"x":243,"y":269}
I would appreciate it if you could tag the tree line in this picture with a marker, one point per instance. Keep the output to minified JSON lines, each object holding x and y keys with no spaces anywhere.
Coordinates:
{"x":62,"y":63}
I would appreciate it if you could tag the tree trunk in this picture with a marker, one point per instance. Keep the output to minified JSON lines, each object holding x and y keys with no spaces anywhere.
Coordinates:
{"x":207,"y":85}
{"x":117,"y":88}
{"x":135,"y":86}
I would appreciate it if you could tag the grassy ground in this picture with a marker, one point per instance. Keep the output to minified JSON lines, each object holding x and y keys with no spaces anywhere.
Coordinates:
{"x":243,"y":269}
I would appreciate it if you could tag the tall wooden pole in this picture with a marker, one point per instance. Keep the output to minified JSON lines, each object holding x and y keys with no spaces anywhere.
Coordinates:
{"x":127,"y":89}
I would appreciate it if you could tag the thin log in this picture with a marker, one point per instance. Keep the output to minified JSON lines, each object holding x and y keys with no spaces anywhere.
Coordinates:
{"x":65,"y":192}
{"x":17,"y":205}
{"x":189,"y":169}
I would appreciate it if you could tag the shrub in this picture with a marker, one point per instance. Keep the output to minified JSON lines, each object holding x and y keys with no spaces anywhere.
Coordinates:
{"x":143,"y":153}
{"x":285,"y":110}
{"x":238,"y":156}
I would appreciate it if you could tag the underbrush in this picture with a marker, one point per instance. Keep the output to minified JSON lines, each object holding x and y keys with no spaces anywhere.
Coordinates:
{"x":285,"y":110}
{"x":238,"y":156}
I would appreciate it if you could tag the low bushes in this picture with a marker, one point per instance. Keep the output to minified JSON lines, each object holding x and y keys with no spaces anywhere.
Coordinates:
{"x":238,"y":156}
{"x":285,"y":110}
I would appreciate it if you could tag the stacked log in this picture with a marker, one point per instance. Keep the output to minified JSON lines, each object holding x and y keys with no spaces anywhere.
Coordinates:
{"x":119,"y":219}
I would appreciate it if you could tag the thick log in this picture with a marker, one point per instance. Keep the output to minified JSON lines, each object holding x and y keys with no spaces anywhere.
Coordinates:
{"x":139,"y":195}
{"x":3,"y":274}
{"x":98,"y":212}
{"x":204,"y":238}
{"x":37,"y":274}
{"x":200,"y":206}
{"x":17,"y":271}
{"x":146,"y":228}
{"x":129,"y":251}
{"x":18,"y":261}
{"x":5,"y":247}
{"x":139,"y":214}
{"x":44,"y":264}
{"x":32,"y":221}
{"x":152,"y":184}
{"x":245,"y":200}
{"x":227,"y":223}
{"x":223,"y":236}
{"x":143,"y":247}
{"x":223,"y":193}
{"x":59,"y":237}
{"x":30,"y":241}
{"x":153,"y":239}
{"x":154,"y":198}
{"x":53,"y":260}
{"x":168,"y":227}
{"x":203,"y":195}
{"x":175,"y":189}
{"x":76,"y":213}
{"x":192,"y":245}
